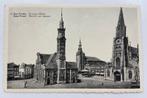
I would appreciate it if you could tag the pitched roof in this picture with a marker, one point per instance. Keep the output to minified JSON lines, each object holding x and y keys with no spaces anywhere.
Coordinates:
{"x":71,"y":65}
{"x":12,"y":65}
{"x":51,"y":62}
{"x":133,"y":51}
{"x":44,"y":58}
{"x":88,"y":58}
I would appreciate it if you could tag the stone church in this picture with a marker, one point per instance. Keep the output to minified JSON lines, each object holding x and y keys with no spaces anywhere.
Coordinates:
{"x":125,"y":58}
{"x":53,"y":68}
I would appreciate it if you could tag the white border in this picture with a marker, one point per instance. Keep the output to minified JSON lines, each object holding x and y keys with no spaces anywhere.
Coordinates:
{"x":68,"y":90}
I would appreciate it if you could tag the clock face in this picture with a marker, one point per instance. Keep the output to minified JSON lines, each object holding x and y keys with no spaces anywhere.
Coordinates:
{"x":118,"y":41}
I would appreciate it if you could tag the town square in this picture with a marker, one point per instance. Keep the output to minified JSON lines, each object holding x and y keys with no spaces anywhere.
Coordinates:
{"x":55,"y":70}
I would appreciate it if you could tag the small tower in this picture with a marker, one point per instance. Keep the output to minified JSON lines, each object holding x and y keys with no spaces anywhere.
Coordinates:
{"x":120,"y":50}
{"x":80,"y":57}
{"x":61,"y":57}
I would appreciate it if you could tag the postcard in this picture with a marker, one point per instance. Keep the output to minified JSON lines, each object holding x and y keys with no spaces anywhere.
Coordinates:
{"x":72,"y":49}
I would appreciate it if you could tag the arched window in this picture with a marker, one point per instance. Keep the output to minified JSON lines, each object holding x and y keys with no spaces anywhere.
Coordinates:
{"x":108,"y":73}
{"x":130,"y":74}
{"x":117,"y":62}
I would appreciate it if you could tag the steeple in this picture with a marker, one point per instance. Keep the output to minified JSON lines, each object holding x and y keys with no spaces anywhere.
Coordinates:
{"x":80,"y":48}
{"x":80,"y":45}
{"x":61,"y":24}
{"x":61,"y":52}
{"x":121,"y":28}
{"x":80,"y":57}
{"x":61,"y":39}
{"x":121,"y":18}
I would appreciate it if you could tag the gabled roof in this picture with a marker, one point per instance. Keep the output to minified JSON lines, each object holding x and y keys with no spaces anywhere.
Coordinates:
{"x":51,"y":62}
{"x":44,"y":58}
{"x":71,"y":65}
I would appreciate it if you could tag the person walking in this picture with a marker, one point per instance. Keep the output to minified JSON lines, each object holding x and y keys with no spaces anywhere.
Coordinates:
{"x":102,"y":84}
{"x":25,"y":84}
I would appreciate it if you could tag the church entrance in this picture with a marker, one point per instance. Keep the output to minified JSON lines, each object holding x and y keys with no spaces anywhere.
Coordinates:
{"x":117,"y":76}
{"x":48,"y":81}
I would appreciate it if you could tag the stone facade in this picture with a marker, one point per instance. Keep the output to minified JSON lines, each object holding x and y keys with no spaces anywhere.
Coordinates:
{"x":61,"y":58}
{"x":125,"y":58}
{"x":71,"y":72}
{"x":80,"y":58}
{"x":53,"y":68}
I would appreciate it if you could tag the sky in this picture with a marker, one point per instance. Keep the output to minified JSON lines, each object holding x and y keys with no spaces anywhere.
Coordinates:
{"x":96,"y":27}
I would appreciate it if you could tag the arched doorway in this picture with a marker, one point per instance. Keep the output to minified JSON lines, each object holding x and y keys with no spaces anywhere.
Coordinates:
{"x":48,"y":81}
{"x":117,"y":76}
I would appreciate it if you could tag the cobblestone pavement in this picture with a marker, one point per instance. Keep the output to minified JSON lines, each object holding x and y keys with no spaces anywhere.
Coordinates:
{"x":86,"y":82}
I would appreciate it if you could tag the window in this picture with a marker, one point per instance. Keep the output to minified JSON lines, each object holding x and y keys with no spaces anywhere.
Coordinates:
{"x":130,"y":74}
{"x":108,"y":73}
{"x":117,"y":62}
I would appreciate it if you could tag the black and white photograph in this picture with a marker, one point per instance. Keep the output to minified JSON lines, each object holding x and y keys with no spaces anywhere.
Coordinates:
{"x":72,"y":48}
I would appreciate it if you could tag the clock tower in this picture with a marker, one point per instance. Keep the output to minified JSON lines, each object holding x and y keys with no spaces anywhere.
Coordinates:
{"x":120,"y":49}
{"x":61,"y":58}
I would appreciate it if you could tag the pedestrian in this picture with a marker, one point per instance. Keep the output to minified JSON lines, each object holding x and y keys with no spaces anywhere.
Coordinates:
{"x":25,"y":84}
{"x":102,"y":84}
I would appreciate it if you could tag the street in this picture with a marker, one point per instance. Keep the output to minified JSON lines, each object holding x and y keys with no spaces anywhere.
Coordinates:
{"x":86,"y":82}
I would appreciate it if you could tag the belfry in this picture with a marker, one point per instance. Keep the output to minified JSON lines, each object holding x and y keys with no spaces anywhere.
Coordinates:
{"x":61,"y":45}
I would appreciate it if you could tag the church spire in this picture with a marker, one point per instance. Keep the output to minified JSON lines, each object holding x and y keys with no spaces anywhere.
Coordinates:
{"x":61,"y":24}
{"x":121,"y":28}
{"x":80,"y":44}
{"x":121,"y":18}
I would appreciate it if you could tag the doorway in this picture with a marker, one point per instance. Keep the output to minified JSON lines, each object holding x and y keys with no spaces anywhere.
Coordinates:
{"x":117,"y":76}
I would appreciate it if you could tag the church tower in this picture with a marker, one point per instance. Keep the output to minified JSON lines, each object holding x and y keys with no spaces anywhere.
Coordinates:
{"x":80,"y":57}
{"x":61,"y":58}
{"x":120,"y":50}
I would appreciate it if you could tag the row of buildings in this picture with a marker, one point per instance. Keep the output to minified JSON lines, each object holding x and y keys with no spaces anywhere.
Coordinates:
{"x":23,"y":71}
{"x":54,"y":68}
